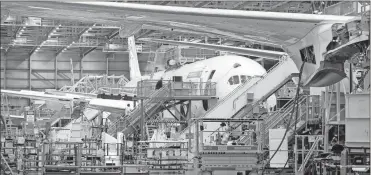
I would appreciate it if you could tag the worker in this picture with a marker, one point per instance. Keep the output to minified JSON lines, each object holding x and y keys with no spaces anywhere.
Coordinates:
{"x":128,"y":109}
{"x":159,"y":84}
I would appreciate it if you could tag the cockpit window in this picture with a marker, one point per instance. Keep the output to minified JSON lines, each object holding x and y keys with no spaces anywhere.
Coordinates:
{"x":236,"y":79}
{"x":230,"y":81}
{"x":243,"y":78}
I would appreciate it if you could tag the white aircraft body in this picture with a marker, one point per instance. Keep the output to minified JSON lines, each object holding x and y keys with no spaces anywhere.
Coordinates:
{"x":227,"y":72}
{"x":311,"y":38}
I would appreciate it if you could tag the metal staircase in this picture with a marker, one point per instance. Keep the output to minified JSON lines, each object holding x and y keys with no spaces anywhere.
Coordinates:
{"x":131,"y":121}
{"x":314,"y":147}
{"x":284,"y":114}
{"x":272,"y":120}
{"x":5,"y":111}
{"x":261,"y":87}
{"x":5,"y":166}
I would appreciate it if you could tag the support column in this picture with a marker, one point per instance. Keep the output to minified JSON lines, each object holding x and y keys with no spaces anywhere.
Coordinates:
{"x":338,"y":101}
{"x":56,"y":71}
{"x":81,"y":67}
{"x":107,"y":63}
{"x":78,"y":158}
{"x":197,"y":137}
{"x":29,"y":73}
{"x":327,"y":111}
{"x":142,"y":120}
{"x":350,"y":77}
{"x":189,"y":125}
{"x":5,"y":61}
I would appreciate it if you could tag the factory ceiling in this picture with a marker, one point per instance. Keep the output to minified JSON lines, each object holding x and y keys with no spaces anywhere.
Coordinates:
{"x":33,"y":34}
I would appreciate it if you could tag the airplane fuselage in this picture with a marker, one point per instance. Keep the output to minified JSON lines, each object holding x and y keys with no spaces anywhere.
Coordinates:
{"x":228,"y":72}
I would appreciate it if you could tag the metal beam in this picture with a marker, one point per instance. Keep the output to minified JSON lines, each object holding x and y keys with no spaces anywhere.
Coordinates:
{"x":240,"y":5}
{"x":88,"y":51}
{"x":29,"y":73}
{"x":81,"y":67}
{"x":107,"y":63}
{"x":5,"y":61}
{"x":69,"y":26}
{"x":146,"y":33}
{"x":75,"y":39}
{"x":201,"y":4}
{"x":161,"y":2}
{"x":112,"y":35}
{"x":278,"y":5}
{"x":45,"y":38}
{"x":56,"y":71}
{"x":13,"y":38}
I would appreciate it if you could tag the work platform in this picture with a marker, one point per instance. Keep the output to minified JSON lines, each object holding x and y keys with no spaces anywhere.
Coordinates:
{"x":177,"y":90}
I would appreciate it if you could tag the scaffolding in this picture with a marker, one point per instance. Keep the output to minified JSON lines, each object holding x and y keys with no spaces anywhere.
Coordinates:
{"x":241,"y":157}
{"x":172,"y":159}
{"x":92,"y":84}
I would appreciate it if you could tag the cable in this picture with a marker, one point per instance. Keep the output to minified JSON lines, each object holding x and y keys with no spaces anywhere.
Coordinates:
{"x":291,"y":115}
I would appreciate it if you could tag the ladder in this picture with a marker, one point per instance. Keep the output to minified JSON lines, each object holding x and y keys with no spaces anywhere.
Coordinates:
{"x":5,"y":166}
{"x":5,"y":112}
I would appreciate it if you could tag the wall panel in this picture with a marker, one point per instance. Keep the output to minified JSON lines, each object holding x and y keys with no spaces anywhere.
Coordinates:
{"x":17,"y":84}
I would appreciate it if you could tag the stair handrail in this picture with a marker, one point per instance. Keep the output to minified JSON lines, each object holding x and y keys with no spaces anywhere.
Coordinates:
{"x":285,"y":110}
{"x":151,"y":99}
{"x":6,"y":164}
{"x":271,"y":123}
{"x":146,"y":102}
{"x":309,"y":154}
{"x":282,"y":109}
{"x":276,"y":120}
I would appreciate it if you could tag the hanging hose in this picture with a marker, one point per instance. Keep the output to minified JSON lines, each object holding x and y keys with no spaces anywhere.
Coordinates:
{"x":291,"y":115}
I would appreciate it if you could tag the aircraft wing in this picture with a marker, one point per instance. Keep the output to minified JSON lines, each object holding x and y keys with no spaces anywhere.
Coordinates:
{"x":71,"y":94}
{"x":269,"y":28}
{"x":114,"y":106}
{"x":238,"y":50}
{"x":38,"y":96}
